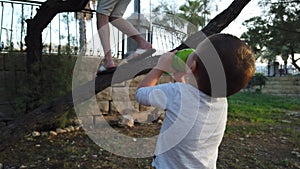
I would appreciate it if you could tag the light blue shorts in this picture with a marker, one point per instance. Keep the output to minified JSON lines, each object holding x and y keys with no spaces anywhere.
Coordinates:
{"x":115,"y":8}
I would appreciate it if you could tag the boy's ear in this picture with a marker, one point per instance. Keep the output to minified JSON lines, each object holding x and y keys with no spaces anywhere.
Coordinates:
{"x":191,"y":63}
{"x":193,"y":66}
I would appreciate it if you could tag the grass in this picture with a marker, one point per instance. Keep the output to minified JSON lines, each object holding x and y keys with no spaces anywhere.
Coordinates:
{"x":250,"y":112}
{"x":260,"y":108}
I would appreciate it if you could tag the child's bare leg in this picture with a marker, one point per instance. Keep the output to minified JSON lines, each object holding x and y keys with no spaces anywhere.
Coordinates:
{"x":104,"y":34}
{"x":127,"y":28}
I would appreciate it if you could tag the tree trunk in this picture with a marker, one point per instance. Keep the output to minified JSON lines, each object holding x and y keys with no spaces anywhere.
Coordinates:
{"x":82,"y":35}
{"x":53,"y":110}
{"x":43,"y":17}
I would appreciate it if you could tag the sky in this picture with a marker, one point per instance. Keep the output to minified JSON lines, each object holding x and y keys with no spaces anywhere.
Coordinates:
{"x":236,"y":28}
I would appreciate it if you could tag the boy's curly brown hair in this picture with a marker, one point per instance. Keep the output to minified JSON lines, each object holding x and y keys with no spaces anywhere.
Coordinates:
{"x":237,"y":60}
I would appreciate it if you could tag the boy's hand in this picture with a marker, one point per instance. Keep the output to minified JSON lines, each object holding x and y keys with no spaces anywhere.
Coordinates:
{"x":165,"y":62}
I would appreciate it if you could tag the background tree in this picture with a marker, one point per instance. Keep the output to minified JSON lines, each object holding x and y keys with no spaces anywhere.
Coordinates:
{"x":193,"y":11}
{"x":165,"y":14}
{"x":277,"y":32}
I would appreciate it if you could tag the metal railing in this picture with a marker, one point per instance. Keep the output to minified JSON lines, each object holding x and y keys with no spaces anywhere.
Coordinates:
{"x":63,"y":33}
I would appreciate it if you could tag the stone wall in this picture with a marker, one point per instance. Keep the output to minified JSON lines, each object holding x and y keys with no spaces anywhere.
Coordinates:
{"x":285,"y":85}
{"x":119,"y":100}
{"x":12,"y":66}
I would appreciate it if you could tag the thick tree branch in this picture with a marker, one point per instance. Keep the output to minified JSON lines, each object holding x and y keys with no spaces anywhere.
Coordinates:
{"x":35,"y":26}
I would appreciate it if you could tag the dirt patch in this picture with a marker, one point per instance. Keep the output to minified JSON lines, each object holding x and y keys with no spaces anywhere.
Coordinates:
{"x":245,"y":145}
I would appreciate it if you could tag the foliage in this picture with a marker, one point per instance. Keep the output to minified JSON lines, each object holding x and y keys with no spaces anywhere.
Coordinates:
{"x":257,"y":37}
{"x":165,"y":15}
{"x":193,"y":11}
{"x":276,"y":32}
{"x":257,"y":80}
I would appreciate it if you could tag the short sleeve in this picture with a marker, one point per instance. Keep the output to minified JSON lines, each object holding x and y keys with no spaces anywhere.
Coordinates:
{"x":157,"y":96}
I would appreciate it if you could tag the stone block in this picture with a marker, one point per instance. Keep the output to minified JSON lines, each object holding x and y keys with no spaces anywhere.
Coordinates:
{"x":135,"y":104}
{"x":285,"y":85}
{"x":87,"y":64}
{"x":156,"y":114}
{"x":112,"y":108}
{"x":141,"y":117}
{"x":122,"y":107}
{"x":86,"y":121}
{"x":80,"y":78}
{"x":132,"y":91}
{"x":120,"y":94}
{"x":98,"y":121}
{"x":136,"y":81}
{"x":296,"y":82}
{"x":105,"y":95}
{"x":143,"y":108}
{"x":122,"y":84}
{"x":103,"y":106}
{"x":87,"y":108}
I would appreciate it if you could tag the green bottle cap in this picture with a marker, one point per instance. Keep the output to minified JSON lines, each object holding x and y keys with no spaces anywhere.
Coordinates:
{"x":180,"y":59}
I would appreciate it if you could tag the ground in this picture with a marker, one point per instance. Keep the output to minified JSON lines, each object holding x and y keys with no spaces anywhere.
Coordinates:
{"x":269,"y":147}
{"x":268,"y":138}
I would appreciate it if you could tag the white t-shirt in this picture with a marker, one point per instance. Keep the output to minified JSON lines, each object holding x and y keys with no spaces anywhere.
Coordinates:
{"x":193,"y":127}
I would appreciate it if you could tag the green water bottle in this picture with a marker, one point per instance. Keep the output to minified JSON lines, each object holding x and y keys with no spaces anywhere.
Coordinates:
{"x":180,"y":59}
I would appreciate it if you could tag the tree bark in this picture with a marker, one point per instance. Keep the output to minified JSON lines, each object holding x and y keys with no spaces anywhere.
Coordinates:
{"x":35,"y":26}
{"x":53,"y":110}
